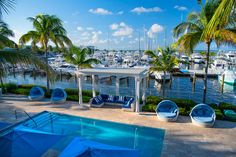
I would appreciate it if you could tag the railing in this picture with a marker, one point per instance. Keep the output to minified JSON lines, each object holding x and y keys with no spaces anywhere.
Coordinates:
{"x":39,"y":120}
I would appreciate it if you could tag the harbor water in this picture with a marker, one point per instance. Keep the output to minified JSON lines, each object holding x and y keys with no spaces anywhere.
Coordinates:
{"x":181,"y":87}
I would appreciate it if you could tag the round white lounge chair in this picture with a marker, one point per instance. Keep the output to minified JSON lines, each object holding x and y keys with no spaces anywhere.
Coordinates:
{"x":58,"y":95}
{"x":167,"y":111}
{"x":203,"y":115}
{"x":36,"y":93}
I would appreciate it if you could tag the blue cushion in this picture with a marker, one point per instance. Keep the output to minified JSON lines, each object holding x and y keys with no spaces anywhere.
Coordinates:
{"x":104,"y":97}
{"x":128,"y":104}
{"x":96,"y":100}
{"x":110,"y":98}
{"x":120,"y":99}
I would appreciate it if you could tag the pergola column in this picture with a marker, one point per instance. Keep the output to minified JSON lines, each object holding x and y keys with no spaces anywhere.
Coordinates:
{"x":93,"y":85}
{"x":117,"y":85}
{"x":137,"y":94}
{"x":80,"y":89}
{"x":144,"y":90}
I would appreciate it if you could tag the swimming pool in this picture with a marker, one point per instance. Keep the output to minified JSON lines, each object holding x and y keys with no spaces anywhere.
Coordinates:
{"x":148,"y":141}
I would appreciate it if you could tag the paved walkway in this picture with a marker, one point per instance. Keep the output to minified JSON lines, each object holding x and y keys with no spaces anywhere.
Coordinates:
{"x":182,"y":139}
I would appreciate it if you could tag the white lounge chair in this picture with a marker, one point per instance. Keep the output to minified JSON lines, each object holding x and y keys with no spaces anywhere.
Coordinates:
{"x":58,"y":95}
{"x":203,"y":115}
{"x":167,"y":111}
{"x":36,"y":93}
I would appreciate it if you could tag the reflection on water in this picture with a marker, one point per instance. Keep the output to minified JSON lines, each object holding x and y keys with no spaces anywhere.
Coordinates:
{"x":181,"y":87}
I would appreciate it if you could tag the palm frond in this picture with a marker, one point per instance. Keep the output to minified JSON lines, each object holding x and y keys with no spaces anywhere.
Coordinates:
{"x":6,"y":6}
{"x":24,"y":56}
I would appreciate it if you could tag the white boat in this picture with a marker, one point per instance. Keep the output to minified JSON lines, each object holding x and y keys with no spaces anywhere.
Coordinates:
{"x":159,"y":76}
{"x":196,"y":58}
{"x":67,"y":69}
{"x":184,"y":58}
{"x":230,"y":77}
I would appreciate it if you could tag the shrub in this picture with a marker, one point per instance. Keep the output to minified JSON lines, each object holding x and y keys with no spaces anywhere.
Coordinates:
{"x":21,"y":91}
{"x":10,"y":86}
{"x":219,"y":114}
{"x":149,"y":107}
{"x":227,"y":106}
{"x":29,"y":86}
{"x":153,"y":100}
{"x":76,"y":98}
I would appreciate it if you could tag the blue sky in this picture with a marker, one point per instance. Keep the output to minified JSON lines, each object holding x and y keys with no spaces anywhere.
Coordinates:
{"x":93,"y":22}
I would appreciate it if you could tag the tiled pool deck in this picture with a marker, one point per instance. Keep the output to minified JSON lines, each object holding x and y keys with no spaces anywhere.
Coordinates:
{"x":182,"y":139}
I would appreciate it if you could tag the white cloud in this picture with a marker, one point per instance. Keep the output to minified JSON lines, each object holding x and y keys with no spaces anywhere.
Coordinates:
{"x":180,"y":8}
{"x":114,"y":26}
{"x":89,"y":28}
{"x":155,"y":28}
{"x":79,"y":28}
{"x":85,"y":34}
{"x":139,"y":10}
{"x":120,"y":13}
{"x":100,"y":11}
{"x":122,"y":30}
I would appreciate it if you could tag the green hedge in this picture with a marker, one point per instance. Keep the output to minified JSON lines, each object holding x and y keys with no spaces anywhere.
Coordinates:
{"x":72,"y":94}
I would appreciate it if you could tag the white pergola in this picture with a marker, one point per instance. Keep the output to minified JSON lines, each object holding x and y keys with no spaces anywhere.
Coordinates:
{"x":140,"y":74}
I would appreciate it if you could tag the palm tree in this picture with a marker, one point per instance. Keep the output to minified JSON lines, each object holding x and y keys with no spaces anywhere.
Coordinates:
{"x":47,"y":28}
{"x":78,"y":57}
{"x":196,"y":24}
{"x":165,"y":62}
{"x":5,"y":6}
{"x":5,"y":33}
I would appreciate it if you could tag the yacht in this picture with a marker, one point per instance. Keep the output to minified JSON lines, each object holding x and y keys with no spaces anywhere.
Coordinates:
{"x":184,"y":58}
{"x":198,"y":59}
{"x":230,"y":77}
{"x":67,"y":69}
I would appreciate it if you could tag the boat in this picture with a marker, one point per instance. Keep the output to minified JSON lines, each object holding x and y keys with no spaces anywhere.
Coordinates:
{"x":184,"y":58}
{"x":230,"y":77}
{"x":198,"y":59}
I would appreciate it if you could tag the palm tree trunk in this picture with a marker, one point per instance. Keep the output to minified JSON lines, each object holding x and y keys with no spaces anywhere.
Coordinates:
{"x":46,"y":56}
{"x":206,"y":71}
{"x":163,"y":88}
{"x":2,"y":85}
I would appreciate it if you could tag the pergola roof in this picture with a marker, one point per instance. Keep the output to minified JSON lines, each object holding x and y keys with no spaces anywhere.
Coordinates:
{"x":131,"y":72}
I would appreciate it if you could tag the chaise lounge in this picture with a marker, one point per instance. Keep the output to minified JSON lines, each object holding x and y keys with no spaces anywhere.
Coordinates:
{"x":127,"y":103}
{"x":167,"y":111}
{"x":203,"y":115}
{"x":58,"y":95}
{"x":36,"y":93}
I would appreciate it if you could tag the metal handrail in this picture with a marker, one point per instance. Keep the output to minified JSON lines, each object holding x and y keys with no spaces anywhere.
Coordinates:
{"x":28,"y":116}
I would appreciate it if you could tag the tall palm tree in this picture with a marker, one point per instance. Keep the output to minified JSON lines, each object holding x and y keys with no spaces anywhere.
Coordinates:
{"x":165,"y":62}
{"x":78,"y":57}
{"x":47,"y":28}
{"x":5,"y":33}
{"x":5,"y":6}
{"x":196,"y":24}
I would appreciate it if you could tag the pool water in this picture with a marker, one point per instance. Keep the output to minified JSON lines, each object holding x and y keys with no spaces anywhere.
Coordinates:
{"x":147,"y":140}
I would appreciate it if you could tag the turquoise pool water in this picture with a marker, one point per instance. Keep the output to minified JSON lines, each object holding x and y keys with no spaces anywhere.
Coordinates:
{"x":147,"y":140}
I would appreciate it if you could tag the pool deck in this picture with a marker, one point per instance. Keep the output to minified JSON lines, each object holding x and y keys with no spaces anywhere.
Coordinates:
{"x":182,"y":139}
